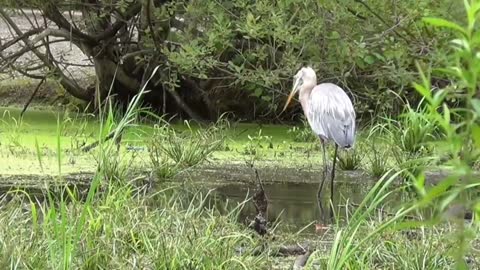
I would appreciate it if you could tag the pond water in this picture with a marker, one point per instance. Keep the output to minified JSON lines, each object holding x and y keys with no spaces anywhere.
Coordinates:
{"x":291,"y":193}
{"x":293,"y":204}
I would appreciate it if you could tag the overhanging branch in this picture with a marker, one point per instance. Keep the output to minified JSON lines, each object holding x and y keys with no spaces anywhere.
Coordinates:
{"x":51,"y":12}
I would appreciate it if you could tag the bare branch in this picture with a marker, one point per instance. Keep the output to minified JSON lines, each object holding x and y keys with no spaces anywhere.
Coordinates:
{"x":35,"y":41}
{"x":182,"y":104}
{"x":32,"y":96}
{"x":19,"y":70}
{"x":71,"y":86}
{"x":52,"y":12}
{"x":18,"y":38}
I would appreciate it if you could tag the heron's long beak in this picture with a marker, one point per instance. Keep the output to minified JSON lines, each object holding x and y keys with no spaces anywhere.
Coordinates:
{"x":292,"y":94}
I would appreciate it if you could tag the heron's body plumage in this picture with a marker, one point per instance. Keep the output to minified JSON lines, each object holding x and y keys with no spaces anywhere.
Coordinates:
{"x":330,"y":114}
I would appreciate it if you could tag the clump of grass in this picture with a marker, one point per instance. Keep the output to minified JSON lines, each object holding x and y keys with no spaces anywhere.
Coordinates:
{"x":163,"y":168}
{"x":351,"y":159}
{"x":414,"y":249}
{"x":413,"y":131}
{"x":190,"y":150}
{"x":302,"y":133}
{"x":171,"y":151}
{"x":12,"y":127}
{"x":393,"y":249}
{"x":378,"y":160}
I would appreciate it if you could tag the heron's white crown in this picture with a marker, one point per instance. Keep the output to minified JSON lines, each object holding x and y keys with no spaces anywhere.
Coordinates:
{"x":307,"y":76}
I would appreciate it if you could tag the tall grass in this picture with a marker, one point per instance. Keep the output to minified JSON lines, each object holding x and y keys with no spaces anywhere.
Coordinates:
{"x":66,"y":233}
{"x":170,"y":229}
{"x":13,"y":125}
{"x":378,"y":142}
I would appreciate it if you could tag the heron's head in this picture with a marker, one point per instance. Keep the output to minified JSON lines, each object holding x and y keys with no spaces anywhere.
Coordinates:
{"x":305,"y":77}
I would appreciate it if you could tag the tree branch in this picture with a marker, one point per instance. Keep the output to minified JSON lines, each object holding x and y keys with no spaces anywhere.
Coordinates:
{"x":14,"y":56}
{"x":14,"y":68}
{"x":32,"y":96}
{"x":18,"y":38}
{"x":362,"y":2}
{"x":51,"y":12}
{"x":133,"y":10}
{"x":184,"y":105}
{"x":71,"y":86}
{"x":204,"y":95}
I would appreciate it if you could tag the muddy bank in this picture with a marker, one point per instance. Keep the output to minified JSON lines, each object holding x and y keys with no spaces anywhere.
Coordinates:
{"x":238,"y":173}
{"x":225,"y":173}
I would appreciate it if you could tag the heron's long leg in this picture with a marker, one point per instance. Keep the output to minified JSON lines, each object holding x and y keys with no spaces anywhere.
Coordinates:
{"x":324,"y":173}
{"x":333,"y":172}
{"x":324,"y":176}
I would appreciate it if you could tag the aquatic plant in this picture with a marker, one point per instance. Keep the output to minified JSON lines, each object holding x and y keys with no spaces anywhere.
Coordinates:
{"x":12,"y":127}
{"x":171,"y":151}
{"x":413,"y":131}
{"x":351,"y":159}
{"x":378,"y":160}
{"x":161,"y":165}
{"x":256,"y":143}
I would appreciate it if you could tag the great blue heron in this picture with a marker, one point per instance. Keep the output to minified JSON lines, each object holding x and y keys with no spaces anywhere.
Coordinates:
{"x":329,"y":112}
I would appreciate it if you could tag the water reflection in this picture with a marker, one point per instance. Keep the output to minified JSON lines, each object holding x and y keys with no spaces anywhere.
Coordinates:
{"x":294,"y":204}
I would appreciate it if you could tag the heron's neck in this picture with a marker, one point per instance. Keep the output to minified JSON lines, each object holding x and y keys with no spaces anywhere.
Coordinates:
{"x":304,"y":95}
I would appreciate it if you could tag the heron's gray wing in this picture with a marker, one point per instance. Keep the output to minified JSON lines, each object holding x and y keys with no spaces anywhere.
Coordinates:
{"x":331,"y":114}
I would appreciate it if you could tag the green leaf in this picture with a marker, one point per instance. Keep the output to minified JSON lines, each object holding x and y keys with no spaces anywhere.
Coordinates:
{"x":474,"y":9}
{"x":419,"y":184}
{"x":445,"y":23}
{"x":446,"y":71}
{"x":335,"y":35}
{"x":476,"y":135}
{"x":369,"y":59}
{"x":423,"y":91}
{"x":446,"y":113}
{"x":460,"y":42}
{"x":267,"y":98}
{"x":258,"y":92}
{"x":476,"y":106}
{"x":438,"y":190}
{"x":379,"y":56}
